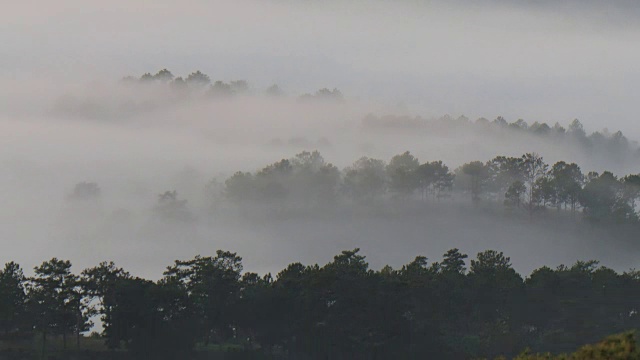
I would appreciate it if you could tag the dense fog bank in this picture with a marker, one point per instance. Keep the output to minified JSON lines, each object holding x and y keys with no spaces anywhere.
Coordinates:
{"x":137,"y":141}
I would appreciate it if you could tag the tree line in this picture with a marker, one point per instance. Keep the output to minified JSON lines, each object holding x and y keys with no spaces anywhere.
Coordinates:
{"x":198,"y":80}
{"x":613,"y":146}
{"x":526,"y":184}
{"x":341,"y":310}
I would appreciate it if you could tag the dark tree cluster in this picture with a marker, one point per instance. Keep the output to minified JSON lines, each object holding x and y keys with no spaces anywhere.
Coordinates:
{"x":342,"y":310}
{"x":304,"y":180}
{"x":525,"y":184}
{"x":529,"y":183}
{"x":199,"y":81}
{"x":53,"y":302}
{"x":307,"y":179}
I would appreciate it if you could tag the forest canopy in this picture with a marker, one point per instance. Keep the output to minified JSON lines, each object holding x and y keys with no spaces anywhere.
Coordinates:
{"x":447,"y":309}
{"x":523,"y":184}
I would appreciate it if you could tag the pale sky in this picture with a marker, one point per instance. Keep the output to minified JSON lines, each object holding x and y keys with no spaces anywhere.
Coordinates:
{"x":537,"y":60}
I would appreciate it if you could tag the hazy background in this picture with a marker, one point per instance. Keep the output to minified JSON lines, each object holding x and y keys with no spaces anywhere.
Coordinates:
{"x":553,"y":60}
{"x":546,"y":61}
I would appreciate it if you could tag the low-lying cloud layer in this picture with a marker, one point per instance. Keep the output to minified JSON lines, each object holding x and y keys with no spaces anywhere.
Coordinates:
{"x":137,"y":141}
{"x":64,"y":118}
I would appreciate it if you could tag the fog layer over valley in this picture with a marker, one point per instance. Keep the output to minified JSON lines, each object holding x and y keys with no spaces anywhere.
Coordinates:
{"x":137,"y":141}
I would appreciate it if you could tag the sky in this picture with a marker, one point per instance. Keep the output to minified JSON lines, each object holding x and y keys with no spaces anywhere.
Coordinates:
{"x":537,"y":60}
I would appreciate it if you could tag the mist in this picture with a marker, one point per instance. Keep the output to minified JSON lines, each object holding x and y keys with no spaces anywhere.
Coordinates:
{"x":65,"y":118}
{"x":136,"y":141}
{"x":537,"y":60}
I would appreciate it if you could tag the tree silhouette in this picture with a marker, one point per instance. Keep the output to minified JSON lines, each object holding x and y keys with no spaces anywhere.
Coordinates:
{"x":535,"y":169}
{"x":478,"y":173}
{"x":164,"y":76}
{"x":402,"y":173}
{"x":365,"y":180}
{"x":13,"y":309}
{"x":198,"y":79}
{"x":55,"y":298}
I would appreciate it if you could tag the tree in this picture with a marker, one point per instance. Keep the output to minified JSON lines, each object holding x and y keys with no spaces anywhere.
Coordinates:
{"x":520,"y":124}
{"x":240,"y":187}
{"x":198,"y":79}
{"x":274,"y":90}
{"x":478,"y":173}
{"x":12,"y":299}
{"x":570,"y":301}
{"x":617,"y":146}
{"x":546,"y":192}
{"x":309,"y":161}
{"x":534,"y":170}
{"x":497,"y":292}
{"x":557,"y":130}
{"x":101,"y":283}
{"x":271,"y":182}
{"x":239,"y":86}
{"x":453,"y":262}
{"x":146,"y":78}
{"x":434,"y":177}
{"x":500,"y":122}
{"x":153,"y":320}
{"x":258,"y":320}
{"x":576,"y":129}
{"x":350,"y":309}
{"x":540,"y":129}
{"x":515,"y":194}
{"x":298,"y":304}
{"x":179,"y":84}
{"x":503,"y":172}
{"x":340,"y":310}
{"x":163,"y":76}
{"x":401,"y":171}
{"x":313,"y":182}
{"x":213,"y":285}
{"x":55,"y":298}
{"x":330,"y":95}
{"x":323,"y":95}
{"x":171,"y":207}
{"x":631,"y":193}
{"x":452,"y":305}
{"x":567,"y":180}
{"x":221,"y":89}
{"x":365,"y":180}
{"x":603,"y":199}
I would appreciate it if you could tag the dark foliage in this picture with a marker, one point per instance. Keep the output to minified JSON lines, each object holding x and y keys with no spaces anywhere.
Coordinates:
{"x":342,"y":310}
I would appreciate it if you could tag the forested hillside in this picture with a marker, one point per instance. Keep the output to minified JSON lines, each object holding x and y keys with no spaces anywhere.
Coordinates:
{"x":523,"y":184}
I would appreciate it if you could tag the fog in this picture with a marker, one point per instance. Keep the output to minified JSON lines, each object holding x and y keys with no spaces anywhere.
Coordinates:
{"x":65,"y":118}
